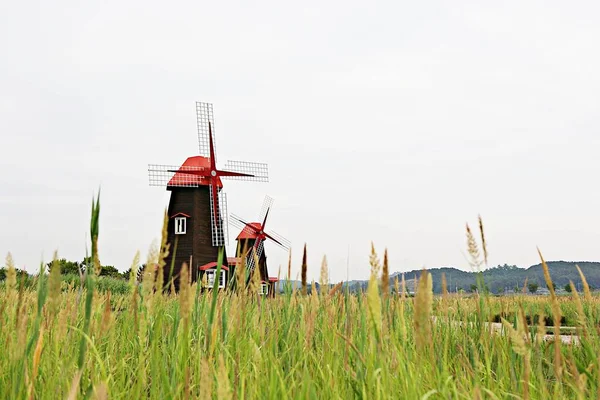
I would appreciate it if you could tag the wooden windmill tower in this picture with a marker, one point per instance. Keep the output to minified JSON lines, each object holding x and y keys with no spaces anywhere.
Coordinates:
{"x":252,"y":239}
{"x":198,"y":206}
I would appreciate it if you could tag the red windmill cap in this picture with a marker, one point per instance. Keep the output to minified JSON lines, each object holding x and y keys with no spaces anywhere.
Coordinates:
{"x":193,"y":163}
{"x":250,"y":231}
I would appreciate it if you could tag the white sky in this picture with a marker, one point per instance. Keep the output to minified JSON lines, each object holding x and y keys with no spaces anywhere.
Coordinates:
{"x":395,"y":122}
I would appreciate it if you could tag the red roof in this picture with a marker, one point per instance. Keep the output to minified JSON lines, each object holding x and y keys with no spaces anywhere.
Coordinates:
{"x":250,"y":231}
{"x":180,"y":214}
{"x":212,"y":265}
{"x":231,"y":261}
{"x":273,"y":279}
{"x":196,"y":163}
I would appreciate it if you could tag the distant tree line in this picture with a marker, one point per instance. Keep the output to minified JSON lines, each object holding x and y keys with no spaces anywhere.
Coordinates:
{"x":20,"y":273}
{"x":68,"y":267}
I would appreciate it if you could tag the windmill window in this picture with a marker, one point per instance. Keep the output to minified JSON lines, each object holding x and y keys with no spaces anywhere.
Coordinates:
{"x":264,"y":289}
{"x":210,"y":278}
{"x":180,"y":225}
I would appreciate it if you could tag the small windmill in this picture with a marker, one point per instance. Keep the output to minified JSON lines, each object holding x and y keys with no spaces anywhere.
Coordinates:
{"x":198,"y":206}
{"x":252,"y":239}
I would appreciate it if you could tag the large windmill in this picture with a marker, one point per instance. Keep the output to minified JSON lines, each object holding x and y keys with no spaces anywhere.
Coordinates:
{"x":252,"y":240}
{"x":198,"y":206}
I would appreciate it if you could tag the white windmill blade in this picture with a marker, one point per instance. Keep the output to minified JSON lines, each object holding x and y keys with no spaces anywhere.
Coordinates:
{"x":241,"y":224}
{"x":172,"y":175}
{"x":251,"y":262}
{"x":285,"y":244}
{"x":260,"y":171}
{"x":204,"y":116}
{"x":218,"y":222}
{"x":267,"y":204}
{"x":236,"y":221}
{"x":224,"y":216}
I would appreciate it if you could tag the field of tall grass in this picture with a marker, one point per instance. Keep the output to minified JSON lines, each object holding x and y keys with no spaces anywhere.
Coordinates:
{"x":61,"y":340}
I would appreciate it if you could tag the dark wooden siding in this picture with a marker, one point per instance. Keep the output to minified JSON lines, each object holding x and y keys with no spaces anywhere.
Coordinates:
{"x":262,"y":261}
{"x":197,"y":241}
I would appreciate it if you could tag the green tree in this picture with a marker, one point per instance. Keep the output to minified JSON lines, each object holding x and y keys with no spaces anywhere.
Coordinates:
{"x":126,"y":274}
{"x":109,"y":270}
{"x":533,"y":287}
{"x":66,"y":267}
{"x":568,"y":287}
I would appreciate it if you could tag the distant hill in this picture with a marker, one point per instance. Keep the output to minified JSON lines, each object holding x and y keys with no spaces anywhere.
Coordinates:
{"x":509,"y":277}
{"x":295,"y":285}
{"x":500,"y":278}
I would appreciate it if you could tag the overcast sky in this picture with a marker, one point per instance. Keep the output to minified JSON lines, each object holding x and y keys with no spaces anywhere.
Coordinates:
{"x":392,"y":122}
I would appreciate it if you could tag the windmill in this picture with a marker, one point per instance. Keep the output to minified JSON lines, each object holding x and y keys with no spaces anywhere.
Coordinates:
{"x":197,"y":210}
{"x":252,"y":239}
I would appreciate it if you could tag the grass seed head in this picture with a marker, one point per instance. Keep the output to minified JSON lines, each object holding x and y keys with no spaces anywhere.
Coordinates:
{"x":586,"y":287}
{"x":304,"y":271}
{"x":324,"y":279}
{"x":556,"y":316}
{"x":581,"y":317}
{"x":423,"y":304}
{"x":149,"y":274}
{"x":101,"y":391}
{"x":518,"y":342}
{"x":289,"y":270}
{"x":473,"y":250}
{"x":54,"y":291}
{"x":224,"y":387}
{"x":374,"y":261}
{"x":37,"y":354}
{"x":11,"y":273}
{"x":385,"y":276}
{"x":206,"y":380}
{"x":374,"y":305}
{"x":483,"y":241}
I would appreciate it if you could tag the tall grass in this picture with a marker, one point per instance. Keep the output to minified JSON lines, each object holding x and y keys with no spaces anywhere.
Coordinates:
{"x":77,"y":342}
